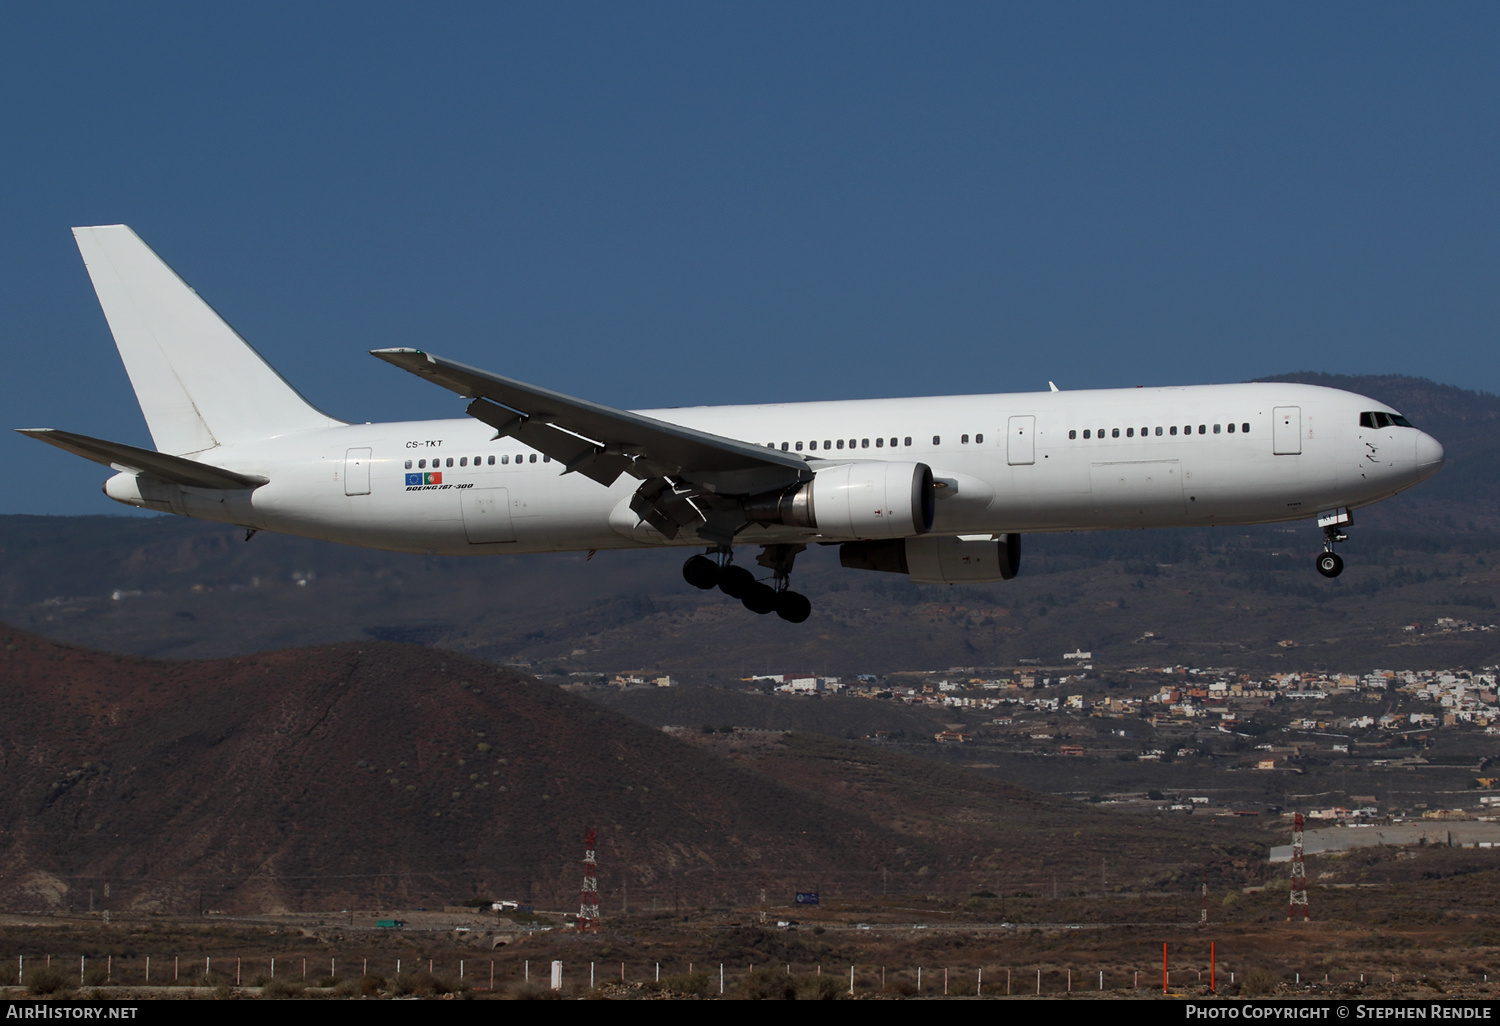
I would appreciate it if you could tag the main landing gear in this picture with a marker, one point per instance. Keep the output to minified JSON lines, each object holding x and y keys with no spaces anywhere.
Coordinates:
{"x":1330,"y":564}
{"x":715,"y":570}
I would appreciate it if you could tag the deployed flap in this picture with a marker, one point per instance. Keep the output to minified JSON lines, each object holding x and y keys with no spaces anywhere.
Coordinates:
{"x":199,"y":384}
{"x":602,"y":442}
{"x":176,"y":469}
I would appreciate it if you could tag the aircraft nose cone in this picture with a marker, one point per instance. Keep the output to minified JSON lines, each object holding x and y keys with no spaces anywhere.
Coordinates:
{"x":1429,"y":451}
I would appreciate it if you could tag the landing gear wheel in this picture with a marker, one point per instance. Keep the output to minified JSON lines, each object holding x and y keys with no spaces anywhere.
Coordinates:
{"x":736,"y":581}
{"x":792,"y":607}
{"x":1330,"y":564}
{"x":701,"y":572}
{"x":761,"y":598}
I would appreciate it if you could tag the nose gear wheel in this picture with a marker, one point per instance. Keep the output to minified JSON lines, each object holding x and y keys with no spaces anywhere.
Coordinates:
{"x":1329,"y":563}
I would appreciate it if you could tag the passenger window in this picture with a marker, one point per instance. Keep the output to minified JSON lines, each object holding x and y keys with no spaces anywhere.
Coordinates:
{"x":880,"y":443}
{"x":827,"y":444}
{"x":864,"y":443}
{"x":1072,"y":434}
{"x":1130,"y":432}
{"x":978,"y":439}
{"x":1158,"y":431}
{"x":546,"y":458}
{"x":1231,"y":429}
{"x":841,"y":443}
{"x":1172,"y":430}
{"x":408,"y":464}
{"x":1114,"y":432}
{"x":963,"y":439}
{"x":908,"y":440}
{"x":937,"y":440}
{"x":785,"y":446}
{"x":533,"y":457}
{"x":799,"y":446}
{"x":1216,"y":429}
{"x":463,"y":461}
{"x":1245,"y":428}
{"x":1203,"y":429}
{"x":450,"y":461}
{"x":505,"y":460}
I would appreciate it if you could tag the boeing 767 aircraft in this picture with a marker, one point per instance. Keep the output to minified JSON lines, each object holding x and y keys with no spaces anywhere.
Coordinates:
{"x":939,"y":488}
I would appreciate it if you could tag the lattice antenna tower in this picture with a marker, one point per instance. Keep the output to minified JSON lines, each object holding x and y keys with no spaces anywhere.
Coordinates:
{"x":588,"y":904}
{"x":1297,"y":902}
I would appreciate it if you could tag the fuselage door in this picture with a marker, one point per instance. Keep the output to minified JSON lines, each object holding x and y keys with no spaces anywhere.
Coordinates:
{"x":1020,"y":446}
{"x":1286,"y":431}
{"x":357,"y":472}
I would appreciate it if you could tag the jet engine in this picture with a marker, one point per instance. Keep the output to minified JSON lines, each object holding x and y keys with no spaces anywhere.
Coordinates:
{"x":866,"y":499}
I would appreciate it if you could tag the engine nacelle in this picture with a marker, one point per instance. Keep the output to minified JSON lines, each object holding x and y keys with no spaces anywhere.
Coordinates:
{"x":867,"y":499}
{"x":938,"y":560}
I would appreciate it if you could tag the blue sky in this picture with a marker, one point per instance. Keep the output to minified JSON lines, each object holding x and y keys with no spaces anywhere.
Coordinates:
{"x":657,"y":204}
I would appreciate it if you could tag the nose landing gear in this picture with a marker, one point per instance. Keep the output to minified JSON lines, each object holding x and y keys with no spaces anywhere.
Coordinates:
{"x":714,"y":570}
{"x":1329,"y":563}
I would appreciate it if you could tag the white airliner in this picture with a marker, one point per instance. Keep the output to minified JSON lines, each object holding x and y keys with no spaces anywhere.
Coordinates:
{"x":939,"y":488}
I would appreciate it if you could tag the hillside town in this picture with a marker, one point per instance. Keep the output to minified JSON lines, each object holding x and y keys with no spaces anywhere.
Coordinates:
{"x":1216,"y":697}
{"x":1287,"y":724}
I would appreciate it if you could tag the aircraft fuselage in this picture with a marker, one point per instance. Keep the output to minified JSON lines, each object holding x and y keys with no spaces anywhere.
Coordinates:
{"x":1018,"y":462}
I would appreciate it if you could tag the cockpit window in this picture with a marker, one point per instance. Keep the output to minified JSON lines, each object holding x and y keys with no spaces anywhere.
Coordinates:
{"x":1381,"y":419}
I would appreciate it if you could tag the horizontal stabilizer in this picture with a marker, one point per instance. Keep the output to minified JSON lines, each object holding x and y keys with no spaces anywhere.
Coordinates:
{"x":176,"y":469}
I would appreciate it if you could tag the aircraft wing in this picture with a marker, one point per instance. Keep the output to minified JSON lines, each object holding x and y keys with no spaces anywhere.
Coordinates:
{"x":601,"y":442}
{"x":177,"y":469}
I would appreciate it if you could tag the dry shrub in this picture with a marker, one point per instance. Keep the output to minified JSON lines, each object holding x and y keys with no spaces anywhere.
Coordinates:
{"x":48,"y":980}
{"x":1261,"y":981}
{"x":766,"y":984}
{"x":821,"y":988}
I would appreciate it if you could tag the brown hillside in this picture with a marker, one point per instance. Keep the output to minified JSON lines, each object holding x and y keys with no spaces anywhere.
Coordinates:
{"x":391,"y":775}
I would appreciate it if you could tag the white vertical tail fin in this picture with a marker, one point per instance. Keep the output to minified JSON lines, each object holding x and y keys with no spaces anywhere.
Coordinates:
{"x":199,"y":384}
